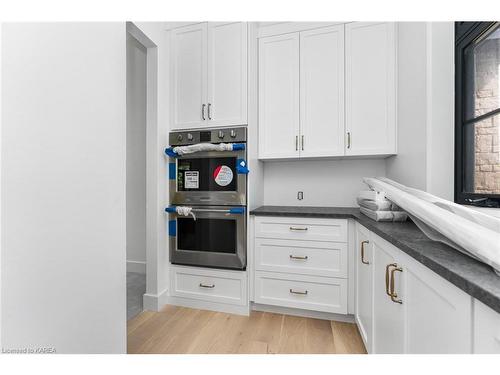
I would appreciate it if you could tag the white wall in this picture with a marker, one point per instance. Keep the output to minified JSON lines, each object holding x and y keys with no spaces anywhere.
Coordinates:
{"x":409,"y":166}
{"x":324,"y":182}
{"x":63,"y":187}
{"x":425,"y":158}
{"x":440,"y":109}
{"x":136,"y":155}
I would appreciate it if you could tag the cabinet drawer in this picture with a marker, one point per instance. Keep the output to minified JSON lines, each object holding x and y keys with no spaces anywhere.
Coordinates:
{"x":302,"y":292}
{"x":209,"y":285}
{"x":306,"y":229}
{"x":301,"y":257}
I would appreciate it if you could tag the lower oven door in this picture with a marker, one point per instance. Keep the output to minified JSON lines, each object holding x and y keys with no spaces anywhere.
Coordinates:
{"x":216,"y":237}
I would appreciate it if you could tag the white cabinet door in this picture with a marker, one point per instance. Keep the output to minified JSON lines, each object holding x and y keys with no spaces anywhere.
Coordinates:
{"x":364,"y":285}
{"x":388,"y":324}
{"x":227,"y":73}
{"x":279,"y":96}
{"x":438,"y":314}
{"x":189,"y":76}
{"x":370,"y":88}
{"x":322,"y":92}
{"x":486,"y":329}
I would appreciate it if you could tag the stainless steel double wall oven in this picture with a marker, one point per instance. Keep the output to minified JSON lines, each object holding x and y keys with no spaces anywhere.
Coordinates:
{"x":214,"y":185}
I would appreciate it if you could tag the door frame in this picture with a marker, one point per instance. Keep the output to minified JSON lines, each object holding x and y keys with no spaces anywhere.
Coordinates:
{"x":154,"y":186}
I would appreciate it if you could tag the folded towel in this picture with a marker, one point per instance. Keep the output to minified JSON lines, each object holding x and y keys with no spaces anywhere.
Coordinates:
{"x":185,"y":211}
{"x":372,"y":195}
{"x":378,"y":205}
{"x":384,"y":215}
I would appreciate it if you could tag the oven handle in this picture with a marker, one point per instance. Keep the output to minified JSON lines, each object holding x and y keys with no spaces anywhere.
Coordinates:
{"x":231,"y":211}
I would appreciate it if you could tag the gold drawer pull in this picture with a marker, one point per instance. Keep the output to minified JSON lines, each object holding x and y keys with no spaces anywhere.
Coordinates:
{"x":363,"y":252}
{"x":299,"y":257}
{"x":298,"y":228}
{"x":394,"y":295}
{"x":387,"y":278}
{"x":208,"y":286}
{"x":301,"y":293}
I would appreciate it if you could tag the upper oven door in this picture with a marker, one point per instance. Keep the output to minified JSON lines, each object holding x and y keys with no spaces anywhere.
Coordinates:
{"x":208,"y":178}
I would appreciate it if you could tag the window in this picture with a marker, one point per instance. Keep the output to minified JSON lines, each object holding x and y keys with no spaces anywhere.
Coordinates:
{"x":477,"y":113}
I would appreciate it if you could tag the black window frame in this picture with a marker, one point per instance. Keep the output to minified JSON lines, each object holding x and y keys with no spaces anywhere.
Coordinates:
{"x":465,"y":34}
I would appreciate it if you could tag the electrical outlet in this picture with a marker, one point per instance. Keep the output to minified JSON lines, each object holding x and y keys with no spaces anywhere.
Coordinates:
{"x":300,"y":195}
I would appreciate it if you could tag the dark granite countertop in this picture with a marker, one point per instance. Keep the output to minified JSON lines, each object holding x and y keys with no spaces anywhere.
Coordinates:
{"x":473,"y":277}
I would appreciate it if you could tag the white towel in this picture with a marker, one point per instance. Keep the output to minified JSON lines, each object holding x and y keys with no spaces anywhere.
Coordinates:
{"x":185,"y":211}
{"x":181,"y":150}
{"x":384,"y":215}
{"x":378,"y":205}
{"x":372,"y":195}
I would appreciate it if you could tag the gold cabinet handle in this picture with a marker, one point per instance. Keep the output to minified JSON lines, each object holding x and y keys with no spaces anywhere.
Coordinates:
{"x":296,"y":143}
{"x":348,"y":139}
{"x":387,"y":278}
{"x":302,"y":143}
{"x":208,"y":286}
{"x":363,"y":243}
{"x":305,"y":257}
{"x":394,"y":295}
{"x":301,"y":293}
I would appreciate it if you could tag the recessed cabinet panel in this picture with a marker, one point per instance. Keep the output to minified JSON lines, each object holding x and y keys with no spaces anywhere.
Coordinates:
{"x":189,"y":76}
{"x":370,"y":88}
{"x":486,"y":329}
{"x":227,"y":73}
{"x":322,"y":92}
{"x":389,"y":324}
{"x":279,"y":96}
{"x":364,"y":285}
{"x":435,"y":309}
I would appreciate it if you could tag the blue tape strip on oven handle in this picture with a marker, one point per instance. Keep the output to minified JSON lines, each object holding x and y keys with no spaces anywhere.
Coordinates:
{"x":170,"y":209}
{"x":241,"y":166}
{"x":238,"y":146}
{"x":172,"y":228}
{"x":171,"y":171}
{"x":170,"y":152}
{"x":237,"y":210}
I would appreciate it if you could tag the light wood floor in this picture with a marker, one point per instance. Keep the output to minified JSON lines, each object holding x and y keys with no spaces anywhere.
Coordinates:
{"x":182,"y":330}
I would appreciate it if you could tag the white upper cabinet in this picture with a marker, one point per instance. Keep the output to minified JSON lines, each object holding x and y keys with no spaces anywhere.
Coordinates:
{"x":279,"y":96}
{"x":209,"y":75}
{"x":322,"y":92}
{"x":189,"y":76}
{"x":346,"y":92}
{"x":370,"y":88}
{"x":227,"y":73}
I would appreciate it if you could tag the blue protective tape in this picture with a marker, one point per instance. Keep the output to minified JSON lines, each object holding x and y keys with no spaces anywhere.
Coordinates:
{"x":241,"y":166}
{"x":170,"y":209}
{"x":238,"y":146}
{"x":172,"y":228}
{"x":237,"y":210}
{"x":170,"y":152}
{"x":171,"y":171}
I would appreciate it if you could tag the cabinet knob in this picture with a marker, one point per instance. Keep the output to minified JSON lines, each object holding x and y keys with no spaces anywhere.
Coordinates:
{"x":221,"y":134}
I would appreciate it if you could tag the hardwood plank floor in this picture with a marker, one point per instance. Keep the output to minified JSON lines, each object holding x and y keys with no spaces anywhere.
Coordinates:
{"x":180,"y":330}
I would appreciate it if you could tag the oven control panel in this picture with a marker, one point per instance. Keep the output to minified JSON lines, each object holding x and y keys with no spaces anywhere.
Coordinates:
{"x":225,"y":135}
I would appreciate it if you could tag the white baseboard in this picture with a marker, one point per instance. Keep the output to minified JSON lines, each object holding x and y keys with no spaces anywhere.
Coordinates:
{"x":155,"y":302}
{"x":303,"y":313}
{"x":207,"y":305}
{"x":136,"y":266}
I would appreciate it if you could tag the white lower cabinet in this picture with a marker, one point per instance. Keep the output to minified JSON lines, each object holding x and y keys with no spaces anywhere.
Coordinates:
{"x":388,"y":313}
{"x":486,"y":329}
{"x":415,"y":311}
{"x":301,"y":263}
{"x":219,"y":286}
{"x":364,"y":285}
{"x":302,"y":292}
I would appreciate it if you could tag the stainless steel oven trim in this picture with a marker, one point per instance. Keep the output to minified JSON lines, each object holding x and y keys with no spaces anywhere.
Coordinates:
{"x":222,"y":198}
{"x":212,"y":259}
